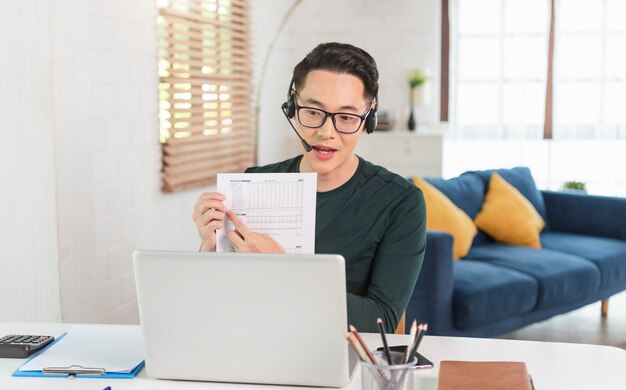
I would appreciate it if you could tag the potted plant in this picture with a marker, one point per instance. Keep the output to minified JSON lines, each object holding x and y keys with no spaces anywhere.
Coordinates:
{"x":575,"y":186}
{"x":416,"y":78}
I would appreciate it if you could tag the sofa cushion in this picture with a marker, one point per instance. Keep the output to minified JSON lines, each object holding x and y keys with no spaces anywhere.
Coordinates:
{"x":508,"y":217}
{"x":442,"y":214}
{"x":485,"y":293}
{"x":562,"y":277}
{"x":520,"y":178}
{"x":608,"y":254}
{"x":465,"y":191}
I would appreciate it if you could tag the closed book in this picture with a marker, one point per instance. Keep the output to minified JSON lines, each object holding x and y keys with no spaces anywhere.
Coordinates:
{"x":455,"y":375}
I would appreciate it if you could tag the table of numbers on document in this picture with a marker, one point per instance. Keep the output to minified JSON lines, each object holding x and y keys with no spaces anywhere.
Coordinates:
{"x":270,"y":205}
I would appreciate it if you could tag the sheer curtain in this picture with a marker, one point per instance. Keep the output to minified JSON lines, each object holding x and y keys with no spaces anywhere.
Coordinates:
{"x":590,"y":71}
{"x":498,"y":70}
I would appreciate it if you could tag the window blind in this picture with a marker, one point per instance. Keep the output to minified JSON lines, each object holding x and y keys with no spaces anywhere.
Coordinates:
{"x":205,"y":113}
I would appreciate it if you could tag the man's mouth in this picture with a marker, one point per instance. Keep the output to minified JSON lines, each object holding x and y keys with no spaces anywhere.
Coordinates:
{"x":324,"y":149}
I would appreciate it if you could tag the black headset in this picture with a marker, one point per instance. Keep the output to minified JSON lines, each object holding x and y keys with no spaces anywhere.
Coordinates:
{"x":289,"y":109}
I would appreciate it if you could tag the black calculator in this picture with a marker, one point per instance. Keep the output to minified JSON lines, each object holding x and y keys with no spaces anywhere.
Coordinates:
{"x":21,"y":346}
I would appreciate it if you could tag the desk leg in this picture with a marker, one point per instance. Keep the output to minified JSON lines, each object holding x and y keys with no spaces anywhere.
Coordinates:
{"x":605,"y":307}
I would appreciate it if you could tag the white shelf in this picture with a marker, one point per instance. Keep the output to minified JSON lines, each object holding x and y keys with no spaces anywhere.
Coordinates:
{"x":403,"y":152}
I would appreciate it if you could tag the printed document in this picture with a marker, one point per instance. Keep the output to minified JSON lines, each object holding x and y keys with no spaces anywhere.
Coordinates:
{"x":115,"y":348}
{"x":281,"y":205}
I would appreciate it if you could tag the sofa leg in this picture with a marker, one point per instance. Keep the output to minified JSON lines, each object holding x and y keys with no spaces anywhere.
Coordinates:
{"x":605,"y":307}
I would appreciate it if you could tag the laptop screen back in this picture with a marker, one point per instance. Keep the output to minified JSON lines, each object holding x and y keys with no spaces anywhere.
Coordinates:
{"x":252,"y":318}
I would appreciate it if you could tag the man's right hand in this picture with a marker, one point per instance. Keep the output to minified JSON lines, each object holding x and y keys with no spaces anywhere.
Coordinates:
{"x":208,"y":215}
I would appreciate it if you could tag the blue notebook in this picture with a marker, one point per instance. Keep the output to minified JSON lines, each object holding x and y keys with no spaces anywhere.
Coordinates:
{"x":90,"y":351}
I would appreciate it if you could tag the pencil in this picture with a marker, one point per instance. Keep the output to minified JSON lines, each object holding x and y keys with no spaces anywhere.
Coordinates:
{"x":381,"y":328}
{"x":357,"y":347}
{"x":379,"y":375}
{"x":365,"y":348}
{"x":421,"y":336}
{"x":418,"y":338}
{"x":412,"y":334}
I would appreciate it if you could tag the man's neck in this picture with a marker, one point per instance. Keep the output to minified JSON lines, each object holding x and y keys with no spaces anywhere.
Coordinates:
{"x":338,"y":177}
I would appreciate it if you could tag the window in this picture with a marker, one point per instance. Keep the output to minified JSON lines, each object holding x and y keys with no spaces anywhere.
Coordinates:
{"x":205,"y":117}
{"x":498,"y":68}
{"x":590,"y":71}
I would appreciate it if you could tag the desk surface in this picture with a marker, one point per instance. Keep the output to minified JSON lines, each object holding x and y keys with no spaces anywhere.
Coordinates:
{"x":552,"y":365}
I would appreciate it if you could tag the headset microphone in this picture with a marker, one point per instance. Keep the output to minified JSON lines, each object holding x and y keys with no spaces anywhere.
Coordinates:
{"x":285,"y":109}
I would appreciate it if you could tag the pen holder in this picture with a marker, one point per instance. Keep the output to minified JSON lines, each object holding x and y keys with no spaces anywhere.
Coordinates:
{"x":383,"y":376}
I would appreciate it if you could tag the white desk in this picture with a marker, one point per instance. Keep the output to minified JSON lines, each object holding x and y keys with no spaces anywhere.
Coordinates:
{"x":552,"y":365}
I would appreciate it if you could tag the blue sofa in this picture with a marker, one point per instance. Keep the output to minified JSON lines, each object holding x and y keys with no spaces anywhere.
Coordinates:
{"x":498,"y":288}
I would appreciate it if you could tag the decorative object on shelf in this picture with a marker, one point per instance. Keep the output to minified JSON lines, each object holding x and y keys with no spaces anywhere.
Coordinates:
{"x":385,"y":121}
{"x":417,"y":78}
{"x":574,"y":186}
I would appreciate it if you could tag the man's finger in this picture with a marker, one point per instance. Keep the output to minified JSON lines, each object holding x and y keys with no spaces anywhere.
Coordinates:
{"x":237,"y":241}
{"x":239,"y":224}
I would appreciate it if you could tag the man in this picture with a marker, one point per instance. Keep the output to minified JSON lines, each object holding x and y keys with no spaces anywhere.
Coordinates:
{"x":374,"y":218}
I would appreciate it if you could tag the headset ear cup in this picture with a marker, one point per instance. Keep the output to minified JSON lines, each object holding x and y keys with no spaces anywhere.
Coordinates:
{"x":371,"y":122}
{"x":291,"y":107}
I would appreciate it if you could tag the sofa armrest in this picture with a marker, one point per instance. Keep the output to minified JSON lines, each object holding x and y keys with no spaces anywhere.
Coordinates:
{"x":431,"y":300}
{"x":594,"y":215}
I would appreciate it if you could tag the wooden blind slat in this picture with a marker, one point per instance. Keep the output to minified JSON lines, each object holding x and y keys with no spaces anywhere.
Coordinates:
{"x":184,"y":172}
{"x":203,"y":139}
{"x":208,"y":146}
{"x":237,"y":120}
{"x":237,"y":109}
{"x":200,"y":53}
{"x":205,"y":158}
{"x":200,"y":22}
{"x":223,"y":79}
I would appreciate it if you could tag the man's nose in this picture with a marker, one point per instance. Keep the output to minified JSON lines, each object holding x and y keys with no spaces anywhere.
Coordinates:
{"x":327,"y":130}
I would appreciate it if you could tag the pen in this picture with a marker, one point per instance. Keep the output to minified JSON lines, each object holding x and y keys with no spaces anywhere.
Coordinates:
{"x":381,"y":328}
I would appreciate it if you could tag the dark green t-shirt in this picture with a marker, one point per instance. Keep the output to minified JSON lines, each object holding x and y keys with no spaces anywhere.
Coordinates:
{"x":377,"y":222}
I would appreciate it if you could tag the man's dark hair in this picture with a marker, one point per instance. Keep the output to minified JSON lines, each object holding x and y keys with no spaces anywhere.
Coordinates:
{"x":339,"y":58}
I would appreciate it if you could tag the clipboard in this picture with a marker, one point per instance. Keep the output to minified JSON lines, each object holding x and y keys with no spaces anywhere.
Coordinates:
{"x":82,"y":370}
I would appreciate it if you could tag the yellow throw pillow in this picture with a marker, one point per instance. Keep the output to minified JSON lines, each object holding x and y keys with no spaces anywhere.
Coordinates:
{"x":442,"y":214}
{"x":507,"y":216}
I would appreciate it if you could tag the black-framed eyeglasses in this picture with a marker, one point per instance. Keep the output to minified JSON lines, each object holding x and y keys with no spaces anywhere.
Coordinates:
{"x":344,"y":122}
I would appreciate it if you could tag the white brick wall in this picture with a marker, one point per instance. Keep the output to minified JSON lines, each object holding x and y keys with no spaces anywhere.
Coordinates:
{"x":29,"y":266}
{"x":130,"y":211}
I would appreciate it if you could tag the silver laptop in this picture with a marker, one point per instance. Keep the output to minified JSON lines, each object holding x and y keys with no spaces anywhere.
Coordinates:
{"x":248,"y":318}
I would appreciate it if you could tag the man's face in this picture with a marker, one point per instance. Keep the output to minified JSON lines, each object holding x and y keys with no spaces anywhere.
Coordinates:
{"x":333,"y":92}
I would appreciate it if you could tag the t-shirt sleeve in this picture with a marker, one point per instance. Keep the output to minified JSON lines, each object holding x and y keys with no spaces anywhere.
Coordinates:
{"x":395,"y":267}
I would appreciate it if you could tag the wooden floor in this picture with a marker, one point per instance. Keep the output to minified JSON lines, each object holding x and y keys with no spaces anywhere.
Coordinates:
{"x":585,"y":326}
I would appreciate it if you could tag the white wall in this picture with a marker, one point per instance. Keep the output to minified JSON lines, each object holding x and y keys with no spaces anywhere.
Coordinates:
{"x":275,"y":135}
{"x":29,"y":275}
{"x":129,"y":211}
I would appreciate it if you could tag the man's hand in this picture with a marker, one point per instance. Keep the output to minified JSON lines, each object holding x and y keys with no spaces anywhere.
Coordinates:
{"x":208,"y":215}
{"x":245,"y":240}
